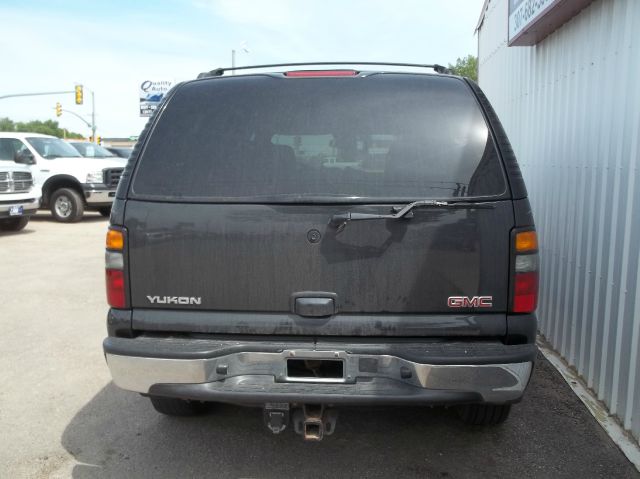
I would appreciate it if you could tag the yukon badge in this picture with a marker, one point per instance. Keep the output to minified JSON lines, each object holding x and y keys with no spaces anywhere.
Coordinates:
{"x":174,"y":300}
{"x":467,"y":302}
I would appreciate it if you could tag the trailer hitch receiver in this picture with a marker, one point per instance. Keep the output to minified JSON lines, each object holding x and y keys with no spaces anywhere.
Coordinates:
{"x":314,"y":421}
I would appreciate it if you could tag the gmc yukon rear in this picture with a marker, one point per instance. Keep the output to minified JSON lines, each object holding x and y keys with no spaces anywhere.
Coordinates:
{"x":307,"y":239}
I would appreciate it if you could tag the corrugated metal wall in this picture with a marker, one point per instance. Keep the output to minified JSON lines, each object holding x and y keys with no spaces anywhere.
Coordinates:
{"x":571,"y":108}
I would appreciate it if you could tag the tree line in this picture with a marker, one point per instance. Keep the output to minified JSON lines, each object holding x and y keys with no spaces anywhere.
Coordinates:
{"x":466,"y":67}
{"x":48,"y":127}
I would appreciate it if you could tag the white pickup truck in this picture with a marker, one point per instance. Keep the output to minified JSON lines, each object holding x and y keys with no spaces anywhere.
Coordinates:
{"x":70,"y":183}
{"x":19,"y":197}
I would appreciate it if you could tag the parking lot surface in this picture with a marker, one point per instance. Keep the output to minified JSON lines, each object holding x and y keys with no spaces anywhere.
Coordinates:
{"x":61,"y":416}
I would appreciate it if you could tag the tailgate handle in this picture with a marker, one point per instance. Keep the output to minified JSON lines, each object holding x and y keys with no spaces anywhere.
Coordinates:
{"x":314,"y":307}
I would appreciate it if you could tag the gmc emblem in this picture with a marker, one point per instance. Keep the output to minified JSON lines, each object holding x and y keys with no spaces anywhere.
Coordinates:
{"x":467,"y":302}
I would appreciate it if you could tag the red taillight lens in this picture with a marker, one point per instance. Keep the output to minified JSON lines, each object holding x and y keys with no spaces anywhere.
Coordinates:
{"x":321,"y":73}
{"x":524,"y":271}
{"x":525,"y":292}
{"x":114,"y":262}
{"x":115,"y":288}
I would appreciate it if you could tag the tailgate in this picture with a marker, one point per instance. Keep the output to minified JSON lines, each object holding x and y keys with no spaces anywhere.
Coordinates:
{"x":240,"y":257}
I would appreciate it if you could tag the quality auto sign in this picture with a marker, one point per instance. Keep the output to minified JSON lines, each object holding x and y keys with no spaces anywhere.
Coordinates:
{"x":151,"y":93}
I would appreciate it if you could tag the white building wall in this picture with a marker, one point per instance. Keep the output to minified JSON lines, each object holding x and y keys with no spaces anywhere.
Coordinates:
{"x":571,"y":108}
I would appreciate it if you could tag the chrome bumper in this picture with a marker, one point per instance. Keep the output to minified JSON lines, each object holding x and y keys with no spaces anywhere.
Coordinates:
{"x":266,"y":373}
{"x":95,"y":194}
{"x":29,"y":205}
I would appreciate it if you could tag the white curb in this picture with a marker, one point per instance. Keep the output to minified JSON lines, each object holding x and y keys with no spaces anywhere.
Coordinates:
{"x":623,"y":439}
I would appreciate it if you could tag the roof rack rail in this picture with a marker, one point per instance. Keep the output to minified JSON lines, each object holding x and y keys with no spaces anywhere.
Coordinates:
{"x":220,"y":71}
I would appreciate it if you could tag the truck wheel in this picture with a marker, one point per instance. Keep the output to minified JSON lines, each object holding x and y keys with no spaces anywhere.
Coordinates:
{"x":484,"y":414}
{"x":66,"y":205}
{"x":105,"y":211}
{"x":14,"y":224}
{"x":177,"y":407}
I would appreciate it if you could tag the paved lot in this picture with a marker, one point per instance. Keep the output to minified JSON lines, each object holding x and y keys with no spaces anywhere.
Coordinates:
{"x":60,"y":415}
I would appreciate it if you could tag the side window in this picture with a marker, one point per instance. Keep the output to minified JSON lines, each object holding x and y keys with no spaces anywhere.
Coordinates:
{"x":7,"y":149}
{"x":18,"y":146}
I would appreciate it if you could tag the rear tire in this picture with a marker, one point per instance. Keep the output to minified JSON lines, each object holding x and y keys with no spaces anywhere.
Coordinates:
{"x":14,"y":224}
{"x":67,"y":205}
{"x":177,"y":407}
{"x":106,"y":211}
{"x":484,"y":414}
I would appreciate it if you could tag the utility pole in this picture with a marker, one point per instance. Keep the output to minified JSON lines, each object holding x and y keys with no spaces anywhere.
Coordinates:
{"x":243,"y":47}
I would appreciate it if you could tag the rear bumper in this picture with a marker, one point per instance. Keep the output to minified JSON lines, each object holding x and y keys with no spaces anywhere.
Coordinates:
{"x":255,"y":372}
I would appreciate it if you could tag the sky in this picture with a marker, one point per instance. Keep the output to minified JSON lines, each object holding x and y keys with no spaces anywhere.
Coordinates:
{"x":111,"y":47}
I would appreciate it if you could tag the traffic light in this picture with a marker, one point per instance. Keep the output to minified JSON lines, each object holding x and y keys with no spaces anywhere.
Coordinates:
{"x":79,"y":95}
{"x":99,"y":140}
{"x":58,"y":109}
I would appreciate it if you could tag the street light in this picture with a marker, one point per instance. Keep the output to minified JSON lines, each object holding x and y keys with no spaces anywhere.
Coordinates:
{"x":243,"y":47}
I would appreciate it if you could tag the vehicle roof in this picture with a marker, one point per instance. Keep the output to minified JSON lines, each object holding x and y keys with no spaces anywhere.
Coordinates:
{"x":360,"y":73}
{"x":22,"y":135}
{"x":330,"y":66}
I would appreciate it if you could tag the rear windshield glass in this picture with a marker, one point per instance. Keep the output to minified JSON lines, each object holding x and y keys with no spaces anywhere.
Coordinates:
{"x":283,"y":139}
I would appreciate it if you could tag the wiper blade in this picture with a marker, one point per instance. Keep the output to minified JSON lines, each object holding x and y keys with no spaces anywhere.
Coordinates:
{"x":340,"y":220}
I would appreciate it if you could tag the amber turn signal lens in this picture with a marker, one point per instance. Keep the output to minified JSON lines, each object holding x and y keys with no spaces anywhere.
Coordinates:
{"x":526,"y":241}
{"x":115,"y":240}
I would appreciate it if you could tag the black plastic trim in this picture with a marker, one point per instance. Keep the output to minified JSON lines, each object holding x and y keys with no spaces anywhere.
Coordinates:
{"x":522,"y":213}
{"x":514,"y":175}
{"x":119,"y":323}
{"x":522,"y":328}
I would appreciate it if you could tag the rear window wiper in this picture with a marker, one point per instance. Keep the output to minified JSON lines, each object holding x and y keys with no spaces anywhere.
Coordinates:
{"x":340,"y":220}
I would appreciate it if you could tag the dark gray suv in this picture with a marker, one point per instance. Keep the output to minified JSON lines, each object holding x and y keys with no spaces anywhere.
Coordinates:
{"x":313,"y":238}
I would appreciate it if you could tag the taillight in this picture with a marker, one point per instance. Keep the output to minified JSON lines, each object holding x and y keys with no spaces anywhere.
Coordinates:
{"x":525,"y":272}
{"x":115,"y":288}
{"x":114,"y":264}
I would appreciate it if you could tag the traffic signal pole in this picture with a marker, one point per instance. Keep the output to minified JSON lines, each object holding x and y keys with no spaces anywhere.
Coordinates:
{"x":35,"y":94}
{"x":90,"y":125}
{"x":79,"y":100}
{"x":93,"y":117}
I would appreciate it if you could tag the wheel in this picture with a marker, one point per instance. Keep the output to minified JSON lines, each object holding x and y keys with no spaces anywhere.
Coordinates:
{"x":177,"y":407}
{"x":484,"y":414}
{"x":14,"y":224}
{"x":67,"y":205}
{"x":105,"y":211}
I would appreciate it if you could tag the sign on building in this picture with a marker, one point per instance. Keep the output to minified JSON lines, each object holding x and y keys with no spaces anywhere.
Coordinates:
{"x":151,"y":94}
{"x":531,"y":21}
